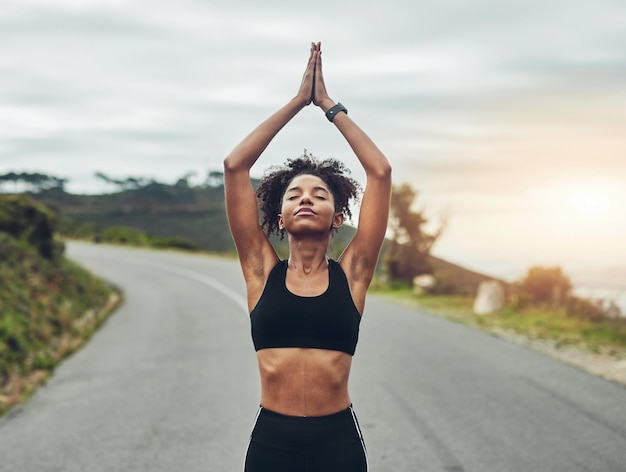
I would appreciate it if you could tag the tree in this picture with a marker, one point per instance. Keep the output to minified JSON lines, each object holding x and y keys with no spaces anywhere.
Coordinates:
{"x":184,"y":180}
{"x":410,"y":244}
{"x":134,"y":183}
{"x":129,"y":183}
{"x":546,"y":285}
{"x":109,"y":180}
{"x":33,"y":181}
{"x":215,"y":179}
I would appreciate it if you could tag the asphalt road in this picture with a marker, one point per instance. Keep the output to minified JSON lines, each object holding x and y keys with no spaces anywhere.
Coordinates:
{"x":169,"y":383}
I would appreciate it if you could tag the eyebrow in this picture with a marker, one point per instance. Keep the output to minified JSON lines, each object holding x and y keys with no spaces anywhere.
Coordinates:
{"x":314,"y":188}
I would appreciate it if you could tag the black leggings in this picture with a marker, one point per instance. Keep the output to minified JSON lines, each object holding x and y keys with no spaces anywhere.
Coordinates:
{"x":281,"y":443}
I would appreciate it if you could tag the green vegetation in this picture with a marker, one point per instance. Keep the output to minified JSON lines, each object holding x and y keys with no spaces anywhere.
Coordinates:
{"x":121,"y":235}
{"x":30,"y":222}
{"x":559,"y":325}
{"x":539,"y":307}
{"x":156,"y":215}
{"x":49,"y":306}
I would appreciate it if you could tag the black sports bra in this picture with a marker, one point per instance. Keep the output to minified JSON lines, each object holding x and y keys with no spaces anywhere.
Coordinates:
{"x":327,"y":321}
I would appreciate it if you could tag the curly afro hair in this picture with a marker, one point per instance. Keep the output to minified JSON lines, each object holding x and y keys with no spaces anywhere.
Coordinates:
{"x":274,"y":183}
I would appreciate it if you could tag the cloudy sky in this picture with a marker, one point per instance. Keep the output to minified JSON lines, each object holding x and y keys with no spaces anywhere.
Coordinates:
{"x":508,"y":117}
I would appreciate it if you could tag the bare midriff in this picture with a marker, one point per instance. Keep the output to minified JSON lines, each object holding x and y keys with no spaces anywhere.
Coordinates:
{"x":303,"y":381}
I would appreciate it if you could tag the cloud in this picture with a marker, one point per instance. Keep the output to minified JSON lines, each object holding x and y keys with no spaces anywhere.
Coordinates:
{"x":475,"y":103}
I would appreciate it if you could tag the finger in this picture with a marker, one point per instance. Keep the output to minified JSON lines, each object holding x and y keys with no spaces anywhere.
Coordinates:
{"x":311,"y":62}
{"x":313,"y":78}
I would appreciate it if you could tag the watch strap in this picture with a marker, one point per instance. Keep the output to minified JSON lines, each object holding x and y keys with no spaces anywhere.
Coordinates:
{"x":332,"y":111}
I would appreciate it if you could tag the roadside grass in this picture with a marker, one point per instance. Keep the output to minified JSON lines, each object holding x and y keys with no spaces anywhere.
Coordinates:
{"x":552,"y":325}
{"x":49,"y":308}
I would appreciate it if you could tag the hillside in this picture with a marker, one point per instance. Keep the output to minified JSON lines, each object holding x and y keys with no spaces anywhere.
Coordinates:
{"x":49,"y":306}
{"x":196,"y":214}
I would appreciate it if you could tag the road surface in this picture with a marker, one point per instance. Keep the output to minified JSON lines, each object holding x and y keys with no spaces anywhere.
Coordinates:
{"x":169,"y":383}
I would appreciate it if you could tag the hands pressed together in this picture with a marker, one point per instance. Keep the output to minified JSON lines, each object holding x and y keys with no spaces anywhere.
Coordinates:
{"x":313,"y":89}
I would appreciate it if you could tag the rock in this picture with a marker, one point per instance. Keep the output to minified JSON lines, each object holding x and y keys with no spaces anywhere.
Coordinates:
{"x":423,"y":283}
{"x":490,"y":298}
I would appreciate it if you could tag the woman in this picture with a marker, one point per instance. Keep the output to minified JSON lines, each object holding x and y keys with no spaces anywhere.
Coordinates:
{"x":305,"y":311}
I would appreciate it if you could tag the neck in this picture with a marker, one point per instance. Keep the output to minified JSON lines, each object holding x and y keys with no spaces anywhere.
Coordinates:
{"x":307,"y":255}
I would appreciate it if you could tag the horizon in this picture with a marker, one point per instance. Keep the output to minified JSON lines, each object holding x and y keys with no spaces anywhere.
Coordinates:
{"x":610,"y":278}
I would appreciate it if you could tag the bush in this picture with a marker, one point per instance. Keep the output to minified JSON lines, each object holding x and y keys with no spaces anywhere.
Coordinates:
{"x":174,"y":242}
{"x":592,"y":310}
{"x":545,"y":286}
{"x":121,"y":235}
{"x":29,"y":221}
{"x":76,"y":228}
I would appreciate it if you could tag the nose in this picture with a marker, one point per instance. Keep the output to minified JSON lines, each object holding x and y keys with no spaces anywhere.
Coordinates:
{"x":305,"y":198}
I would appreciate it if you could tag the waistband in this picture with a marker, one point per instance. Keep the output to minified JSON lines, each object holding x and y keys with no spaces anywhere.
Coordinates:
{"x":285,"y":431}
{"x":347,"y":413}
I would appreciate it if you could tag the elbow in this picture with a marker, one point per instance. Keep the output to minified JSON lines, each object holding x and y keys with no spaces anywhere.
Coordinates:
{"x":230,"y":165}
{"x":238,"y":162}
{"x":382,"y":171}
{"x":387,"y":169}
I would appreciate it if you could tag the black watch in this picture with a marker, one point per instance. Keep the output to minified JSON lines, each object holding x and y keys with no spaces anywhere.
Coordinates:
{"x":332,"y":112}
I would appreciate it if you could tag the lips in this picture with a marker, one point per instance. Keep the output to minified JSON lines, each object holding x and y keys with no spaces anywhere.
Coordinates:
{"x":305,"y":211}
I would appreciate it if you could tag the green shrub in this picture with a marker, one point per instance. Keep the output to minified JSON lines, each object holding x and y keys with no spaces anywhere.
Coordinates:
{"x":76,"y":228}
{"x":121,"y":235}
{"x":25,"y":219}
{"x":586,"y":309}
{"x":546,"y":286}
{"x":174,"y":243}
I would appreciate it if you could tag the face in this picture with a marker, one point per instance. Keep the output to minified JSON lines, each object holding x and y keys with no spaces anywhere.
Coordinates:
{"x":308,"y":207}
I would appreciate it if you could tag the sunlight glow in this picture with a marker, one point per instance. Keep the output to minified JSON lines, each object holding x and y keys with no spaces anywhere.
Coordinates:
{"x":572,"y":222}
{"x":591,"y":202}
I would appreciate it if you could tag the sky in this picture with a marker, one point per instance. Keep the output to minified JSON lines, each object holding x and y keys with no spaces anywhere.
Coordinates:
{"x":508,"y":118}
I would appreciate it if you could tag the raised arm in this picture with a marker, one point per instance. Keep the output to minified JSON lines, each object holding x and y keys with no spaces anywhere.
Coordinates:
{"x":256,"y":254}
{"x":360,"y":257}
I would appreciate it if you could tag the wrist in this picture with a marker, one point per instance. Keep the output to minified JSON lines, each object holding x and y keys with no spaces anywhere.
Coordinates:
{"x":326,"y":104}
{"x":334,"y":111}
{"x":299,"y":101}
